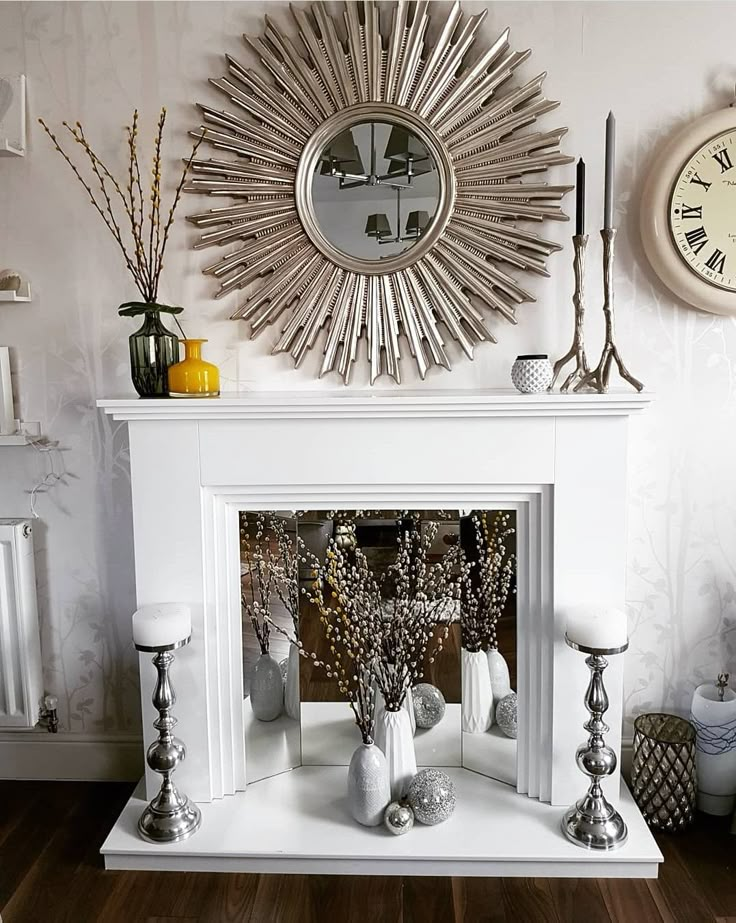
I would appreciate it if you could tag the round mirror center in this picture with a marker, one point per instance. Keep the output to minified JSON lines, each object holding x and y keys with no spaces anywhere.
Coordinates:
{"x":375,"y":190}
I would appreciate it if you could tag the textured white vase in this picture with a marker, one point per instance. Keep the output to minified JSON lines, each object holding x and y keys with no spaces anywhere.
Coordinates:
{"x":408,"y":705}
{"x":291,"y":693}
{"x":477,"y":693}
{"x":266,"y":689}
{"x":369,"y":790}
{"x":394,"y":737}
{"x":499,"y":671}
{"x":715,"y":753}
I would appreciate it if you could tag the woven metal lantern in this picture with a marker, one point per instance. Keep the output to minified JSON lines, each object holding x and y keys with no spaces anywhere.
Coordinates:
{"x":663,"y":774}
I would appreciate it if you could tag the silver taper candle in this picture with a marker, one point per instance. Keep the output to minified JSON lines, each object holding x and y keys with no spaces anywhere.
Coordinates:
{"x":610,"y":169}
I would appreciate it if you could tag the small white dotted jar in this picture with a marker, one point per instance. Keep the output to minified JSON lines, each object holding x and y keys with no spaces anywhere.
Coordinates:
{"x":531,"y":374}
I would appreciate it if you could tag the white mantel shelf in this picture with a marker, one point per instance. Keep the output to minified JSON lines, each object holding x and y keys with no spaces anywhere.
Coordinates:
{"x":285,"y":405}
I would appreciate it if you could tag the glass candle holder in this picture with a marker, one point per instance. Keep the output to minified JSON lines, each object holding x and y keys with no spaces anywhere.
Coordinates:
{"x":663,"y":773}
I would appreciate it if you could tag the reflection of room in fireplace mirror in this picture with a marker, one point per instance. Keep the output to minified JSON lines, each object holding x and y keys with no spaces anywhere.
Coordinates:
{"x":278,"y":643}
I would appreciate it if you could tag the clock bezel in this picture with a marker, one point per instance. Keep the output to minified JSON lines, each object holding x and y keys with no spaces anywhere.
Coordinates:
{"x":659,"y":245}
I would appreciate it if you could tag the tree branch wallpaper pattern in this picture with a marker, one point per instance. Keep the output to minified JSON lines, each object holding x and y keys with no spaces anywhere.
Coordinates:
{"x":97,"y":61}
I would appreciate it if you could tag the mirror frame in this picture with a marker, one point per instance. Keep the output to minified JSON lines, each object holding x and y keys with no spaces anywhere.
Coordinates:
{"x":437,"y":296}
{"x":313,"y":149}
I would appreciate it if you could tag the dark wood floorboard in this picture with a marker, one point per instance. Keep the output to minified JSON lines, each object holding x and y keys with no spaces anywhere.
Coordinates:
{"x":51,"y":872}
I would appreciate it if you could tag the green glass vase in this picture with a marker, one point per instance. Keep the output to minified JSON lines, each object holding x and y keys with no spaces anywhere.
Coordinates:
{"x":153,"y":349}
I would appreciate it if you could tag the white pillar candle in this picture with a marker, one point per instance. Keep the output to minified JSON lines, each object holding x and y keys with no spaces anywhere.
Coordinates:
{"x":7,"y":415}
{"x":161,"y":624}
{"x":597,"y":626}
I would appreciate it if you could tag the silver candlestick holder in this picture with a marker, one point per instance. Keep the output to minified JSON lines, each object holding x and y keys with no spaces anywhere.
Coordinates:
{"x":592,"y":822}
{"x":171,"y":816}
{"x":577,"y":350}
{"x":597,"y":378}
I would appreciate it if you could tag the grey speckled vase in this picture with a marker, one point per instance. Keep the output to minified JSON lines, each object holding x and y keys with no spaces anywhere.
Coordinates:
{"x":368,"y":786}
{"x":266,"y":689}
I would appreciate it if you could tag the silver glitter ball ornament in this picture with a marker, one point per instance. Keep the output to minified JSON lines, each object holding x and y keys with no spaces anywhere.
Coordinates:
{"x":399,"y":818}
{"x":507,"y":715}
{"x":431,"y":796}
{"x":429,"y":705}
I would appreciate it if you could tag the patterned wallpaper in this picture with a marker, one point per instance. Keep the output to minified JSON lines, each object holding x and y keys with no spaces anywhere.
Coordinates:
{"x":97,"y":61}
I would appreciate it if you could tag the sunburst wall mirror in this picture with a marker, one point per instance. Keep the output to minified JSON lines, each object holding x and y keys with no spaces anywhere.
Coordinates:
{"x":379,"y":186}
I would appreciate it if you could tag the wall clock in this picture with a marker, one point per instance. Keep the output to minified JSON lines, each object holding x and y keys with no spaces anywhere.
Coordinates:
{"x":377,"y":184}
{"x":688,"y":213}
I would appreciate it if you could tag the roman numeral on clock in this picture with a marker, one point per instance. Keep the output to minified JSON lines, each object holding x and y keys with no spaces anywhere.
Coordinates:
{"x":694,"y":212}
{"x":700,"y":182}
{"x":716,"y":261}
{"x":723,"y":160}
{"x":697,"y":239}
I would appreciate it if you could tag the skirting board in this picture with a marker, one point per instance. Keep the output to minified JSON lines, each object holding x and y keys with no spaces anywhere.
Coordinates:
{"x":70,"y":756}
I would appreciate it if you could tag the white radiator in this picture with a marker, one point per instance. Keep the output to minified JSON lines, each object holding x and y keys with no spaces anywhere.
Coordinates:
{"x":21,"y":678}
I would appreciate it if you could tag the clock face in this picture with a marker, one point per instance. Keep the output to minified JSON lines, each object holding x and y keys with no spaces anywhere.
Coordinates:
{"x":702,"y":214}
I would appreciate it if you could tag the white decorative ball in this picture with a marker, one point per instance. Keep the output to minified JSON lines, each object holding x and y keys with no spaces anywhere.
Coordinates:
{"x":399,"y":818}
{"x":531,"y":374}
{"x":507,"y":712}
{"x":431,"y":796}
{"x":429,"y":705}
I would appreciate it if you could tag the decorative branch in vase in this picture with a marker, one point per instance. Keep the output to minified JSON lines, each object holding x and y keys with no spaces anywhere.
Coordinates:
{"x":485,"y":591}
{"x":136,"y":222}
{"x":258,"y":582}
{"x":285,"y":566}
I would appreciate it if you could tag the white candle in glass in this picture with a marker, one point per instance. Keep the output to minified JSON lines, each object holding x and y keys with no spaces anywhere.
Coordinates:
{"x":597,"y":626}
{"x":7,"y":415}
{"x":161,"y":624}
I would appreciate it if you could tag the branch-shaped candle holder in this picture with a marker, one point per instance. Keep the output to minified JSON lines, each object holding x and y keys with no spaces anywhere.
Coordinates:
{"x":577,"y":350}
{"x":597,"y":378}
{"x":592,"y":822}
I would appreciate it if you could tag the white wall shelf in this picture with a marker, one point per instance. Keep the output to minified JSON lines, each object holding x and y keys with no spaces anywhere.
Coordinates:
{"x":23,"y":294}
{"x":12,"y":116}
{"x":22,"y":437}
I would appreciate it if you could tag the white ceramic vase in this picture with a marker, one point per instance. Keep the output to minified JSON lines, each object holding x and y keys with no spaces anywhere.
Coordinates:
{"x":369,"y":790}
{"x":408,"y":705}
{"x":477,"y":693}
{"x":291,"y":692}
{"x":715,"y":753}
{"x":266,"y":689}
{"x":394,"y":737}
{"x":499,"y":671}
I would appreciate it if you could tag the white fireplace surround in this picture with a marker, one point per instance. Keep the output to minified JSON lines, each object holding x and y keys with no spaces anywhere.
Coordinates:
{"x":558,"y":460}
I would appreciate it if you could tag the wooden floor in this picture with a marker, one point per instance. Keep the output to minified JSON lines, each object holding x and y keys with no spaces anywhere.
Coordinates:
{"x":50,"y":872}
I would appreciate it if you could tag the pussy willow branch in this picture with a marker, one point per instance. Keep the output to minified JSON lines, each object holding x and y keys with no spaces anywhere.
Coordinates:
{"x":97,"y":166}
{"x":133,"y":269}
{"x":485,"y":590}
{"x":145,"y":268}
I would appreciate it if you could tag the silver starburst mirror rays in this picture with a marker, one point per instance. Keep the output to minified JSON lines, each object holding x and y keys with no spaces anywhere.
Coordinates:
{"x":377,"y":185}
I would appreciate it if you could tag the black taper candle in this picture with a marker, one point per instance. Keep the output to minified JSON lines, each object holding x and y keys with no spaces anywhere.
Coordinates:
{"x":580,"y":199}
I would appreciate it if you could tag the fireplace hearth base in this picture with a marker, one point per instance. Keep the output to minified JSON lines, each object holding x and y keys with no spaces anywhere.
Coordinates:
{"x":298,"y":823}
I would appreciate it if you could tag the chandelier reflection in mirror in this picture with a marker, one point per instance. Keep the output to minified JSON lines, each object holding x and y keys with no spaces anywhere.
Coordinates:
{"x":455,"y":187}
{"x":369,"y":166}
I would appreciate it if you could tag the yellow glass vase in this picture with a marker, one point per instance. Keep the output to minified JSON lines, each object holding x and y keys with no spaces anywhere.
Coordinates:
{"x":193,"y":377}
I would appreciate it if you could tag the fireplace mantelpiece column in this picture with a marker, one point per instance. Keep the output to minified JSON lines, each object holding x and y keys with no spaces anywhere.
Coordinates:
{"x":561,"y":458}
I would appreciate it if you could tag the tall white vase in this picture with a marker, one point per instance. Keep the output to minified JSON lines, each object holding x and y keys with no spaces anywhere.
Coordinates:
{"x":394,"y":737}
{"x":408,"y":706}
{"x":291,"y":693}
{"x":715,"y":753}
{"x":477,"y":693}
{"x":369,"y":789}
{"x":499,"y":670}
